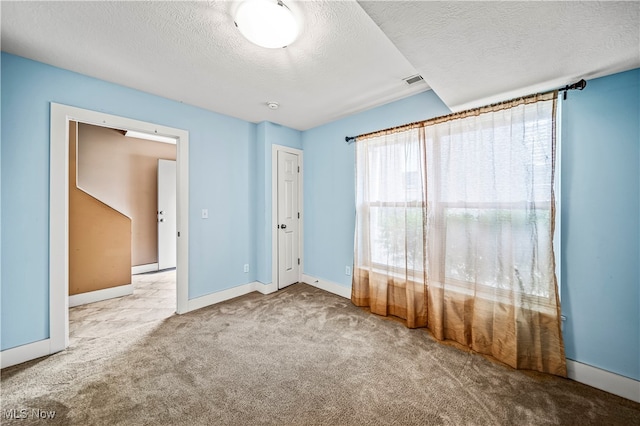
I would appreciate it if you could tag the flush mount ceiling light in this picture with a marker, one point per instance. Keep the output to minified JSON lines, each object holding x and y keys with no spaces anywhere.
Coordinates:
{"x":150,"y":136}
{"x":267,"y":23}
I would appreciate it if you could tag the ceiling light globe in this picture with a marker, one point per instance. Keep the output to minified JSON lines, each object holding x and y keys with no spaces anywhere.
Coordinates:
{"x":267,"y":23}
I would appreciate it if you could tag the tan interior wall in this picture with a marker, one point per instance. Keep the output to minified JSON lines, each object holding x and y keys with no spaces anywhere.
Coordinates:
{"x":122,"y":172}
{"x":99,"y":237}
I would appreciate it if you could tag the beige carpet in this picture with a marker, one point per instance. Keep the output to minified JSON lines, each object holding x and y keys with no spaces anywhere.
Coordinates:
{"x":153,"y":299}
{"x":300,"y":356}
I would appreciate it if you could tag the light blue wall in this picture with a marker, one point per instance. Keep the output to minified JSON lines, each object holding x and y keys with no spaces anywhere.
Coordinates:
{"x":329,"y":182}
{"x":222,"y":179}
{"x":268,"y":134}
{"x":600,"y":217}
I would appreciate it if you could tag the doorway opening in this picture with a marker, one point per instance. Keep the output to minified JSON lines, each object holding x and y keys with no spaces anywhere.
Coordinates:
{"x":122,"y":227}
{"x":61,"y":115}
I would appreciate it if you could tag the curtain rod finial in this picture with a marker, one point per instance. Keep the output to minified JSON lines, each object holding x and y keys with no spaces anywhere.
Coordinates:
{"x":579,"y":85}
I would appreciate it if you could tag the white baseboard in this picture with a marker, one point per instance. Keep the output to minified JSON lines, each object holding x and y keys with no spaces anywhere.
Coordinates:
{"x":221,"y":296}
{"x":329,"y":286}
{"x":604,"y":380}
{"x":141,"y":269}
{"x":99,"y":295}
{"x":25,"y":353}
{"x":265,"y":288}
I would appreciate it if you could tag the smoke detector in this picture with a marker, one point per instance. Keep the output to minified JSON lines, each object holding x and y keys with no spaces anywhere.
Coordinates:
{"x":273,"y":105}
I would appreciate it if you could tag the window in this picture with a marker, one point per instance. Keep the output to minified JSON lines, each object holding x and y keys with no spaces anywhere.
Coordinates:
{"x":469,"y":201}
{"x":394,"y":204}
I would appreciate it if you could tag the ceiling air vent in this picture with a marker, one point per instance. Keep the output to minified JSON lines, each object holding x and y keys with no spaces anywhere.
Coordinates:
{"x":413,"y":79}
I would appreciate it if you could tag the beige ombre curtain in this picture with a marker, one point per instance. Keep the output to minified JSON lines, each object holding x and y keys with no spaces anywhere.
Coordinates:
{"x":390,"y":264}
{"x":454,"y":230}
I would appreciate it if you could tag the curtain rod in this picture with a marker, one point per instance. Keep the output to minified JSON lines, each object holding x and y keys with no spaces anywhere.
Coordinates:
{"x":580,"y":85}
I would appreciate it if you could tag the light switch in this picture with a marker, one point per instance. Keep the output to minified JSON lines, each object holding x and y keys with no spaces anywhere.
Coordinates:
{"x":205,"y":213}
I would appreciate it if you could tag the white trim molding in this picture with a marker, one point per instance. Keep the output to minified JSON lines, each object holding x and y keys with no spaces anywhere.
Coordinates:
{"x":100,"y":295}
{"x":141,"y":269}
{"x":265,"y":288}
{"x":61,"y":115}
{"x":230,"y":293}
{"x":329,"y":286}
{"x":219,"y":296}
{"x":58,"y":229}
{"x":604,"y":380}
{"x":23,"y":353}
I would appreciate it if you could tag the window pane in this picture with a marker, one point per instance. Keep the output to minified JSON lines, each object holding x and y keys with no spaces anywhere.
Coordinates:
{"x":499,"y":248}
{"x":396,"y":237}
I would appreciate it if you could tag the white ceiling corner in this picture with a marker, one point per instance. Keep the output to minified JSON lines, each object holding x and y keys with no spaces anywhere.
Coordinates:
{"x":477,"y":53}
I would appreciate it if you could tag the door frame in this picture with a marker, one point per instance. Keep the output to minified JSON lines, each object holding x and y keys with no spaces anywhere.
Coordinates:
{"x":274,"y":210}
{"x":59,"y":210}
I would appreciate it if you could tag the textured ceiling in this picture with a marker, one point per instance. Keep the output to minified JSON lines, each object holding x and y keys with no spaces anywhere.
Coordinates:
{"x":349,"y":57}
{"x":477,"y":53}
{"x":191,"y":52}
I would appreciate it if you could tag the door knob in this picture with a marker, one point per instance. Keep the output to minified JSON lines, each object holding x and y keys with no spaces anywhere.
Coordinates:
{"x":283,"y":226}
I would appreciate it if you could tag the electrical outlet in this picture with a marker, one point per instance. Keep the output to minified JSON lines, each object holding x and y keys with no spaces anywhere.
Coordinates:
{"x":347,"y":270}
{"x":246,"y":267}
{"x":205,"y":213}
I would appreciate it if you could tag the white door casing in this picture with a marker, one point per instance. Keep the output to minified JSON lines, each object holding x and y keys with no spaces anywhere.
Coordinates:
{"x":288,"y":248}
{"x":167,"y":223}
{"x":58,"y":218}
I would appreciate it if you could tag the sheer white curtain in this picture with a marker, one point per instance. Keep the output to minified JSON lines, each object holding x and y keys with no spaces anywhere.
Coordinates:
{"x":487,"y":270}
{"x":390,"y":197}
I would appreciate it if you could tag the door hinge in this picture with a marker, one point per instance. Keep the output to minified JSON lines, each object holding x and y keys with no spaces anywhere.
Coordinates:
{"x":298,"y":169}
{"x":298,"y":215}
{"x":178,"y":233}
{"x":298,"y":261}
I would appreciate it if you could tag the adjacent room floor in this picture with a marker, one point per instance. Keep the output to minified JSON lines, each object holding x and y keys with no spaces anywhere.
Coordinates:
{"x":153,"y":299}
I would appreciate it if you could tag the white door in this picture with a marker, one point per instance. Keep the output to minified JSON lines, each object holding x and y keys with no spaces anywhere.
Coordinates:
{"x":167,"y":221}
{"x":288,"y":219}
